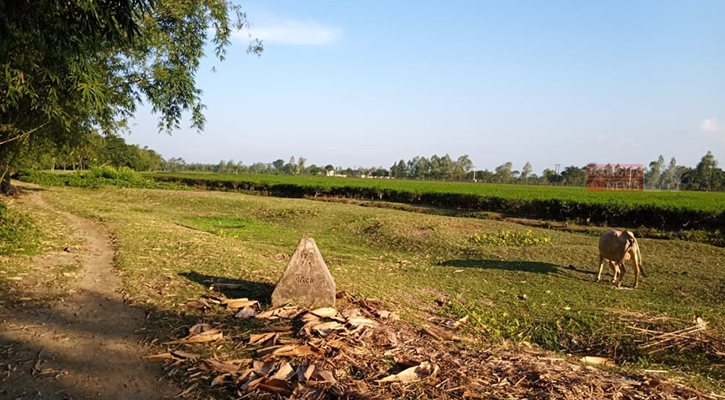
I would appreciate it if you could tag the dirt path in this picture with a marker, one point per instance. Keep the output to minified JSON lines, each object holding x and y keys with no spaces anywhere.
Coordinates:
{"x":85,"y":346}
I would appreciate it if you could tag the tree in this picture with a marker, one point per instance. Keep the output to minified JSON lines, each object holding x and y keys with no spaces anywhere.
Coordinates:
{"x":71,"y":66}
{"x":574,"y":176}
{"x":398,"y":170}
{"x":526,"y":171}
{"x":668,"y":179}
{"x":301,"y":165}
{"x":705,"y":172}
{"x":550,"y":176}
{"x":503,"y":172}
{"x":278,"y":164}
{"x":654,"y":175}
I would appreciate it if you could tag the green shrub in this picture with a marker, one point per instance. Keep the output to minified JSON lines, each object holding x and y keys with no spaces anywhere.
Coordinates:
{"x":508,"y":238}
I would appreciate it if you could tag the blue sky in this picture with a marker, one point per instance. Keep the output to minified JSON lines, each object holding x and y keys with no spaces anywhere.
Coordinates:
{"x":366,"y":83}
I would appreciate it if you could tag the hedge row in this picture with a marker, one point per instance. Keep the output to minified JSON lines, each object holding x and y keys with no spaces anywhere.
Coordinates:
{"x":652,"y":216}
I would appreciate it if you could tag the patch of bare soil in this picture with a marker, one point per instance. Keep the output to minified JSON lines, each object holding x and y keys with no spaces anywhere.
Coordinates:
{"x":359,"y":351}
{"x":84,"y":346}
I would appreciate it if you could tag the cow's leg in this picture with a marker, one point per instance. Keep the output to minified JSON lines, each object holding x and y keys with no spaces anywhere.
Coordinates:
{"x":615,"y":271}
{"x":622,"y":271}
{"x":636,"y":273}
{"x":601,"y":266}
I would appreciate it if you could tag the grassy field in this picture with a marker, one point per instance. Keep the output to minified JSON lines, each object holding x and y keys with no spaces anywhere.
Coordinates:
{"x":535,"y":286}
{"x":696,"y":216}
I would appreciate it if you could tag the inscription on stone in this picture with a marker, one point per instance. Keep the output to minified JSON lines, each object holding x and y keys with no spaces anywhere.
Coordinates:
{"x":306,"y":281}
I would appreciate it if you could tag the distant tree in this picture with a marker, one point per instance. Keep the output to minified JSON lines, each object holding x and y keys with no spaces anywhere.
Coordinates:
{"x":551,"y":177}
{"x":526,"y":171}
{"x":380,"y":172}
{"x":575,"y":176}
{"x":465,"y":163}
{"x":668,"y":178}
{"x":315,"y":170}
{"x":705,"y":172}
{"x":398,"y":170}
{"x":435,"y":167}
{"x":278,"y":165}
{"x":503,"y":172}
{"x":654,"y":174}
{"x":301,"y":166}
{"x":447,"y":167}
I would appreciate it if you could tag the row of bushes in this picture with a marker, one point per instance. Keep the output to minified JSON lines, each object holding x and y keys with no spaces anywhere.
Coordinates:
{"x":96,"y":177}
{"x":638,"y":215}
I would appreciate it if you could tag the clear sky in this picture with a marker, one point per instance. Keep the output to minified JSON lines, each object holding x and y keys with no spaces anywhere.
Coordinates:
{"x":366,"y":83}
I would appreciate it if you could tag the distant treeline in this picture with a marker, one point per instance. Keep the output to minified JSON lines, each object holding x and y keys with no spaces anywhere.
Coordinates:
{"x":86,"y":151}
{"x":657,"y":175}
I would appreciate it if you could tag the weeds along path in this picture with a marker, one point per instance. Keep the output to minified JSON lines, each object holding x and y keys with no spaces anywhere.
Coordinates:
{"x":84,"y":346}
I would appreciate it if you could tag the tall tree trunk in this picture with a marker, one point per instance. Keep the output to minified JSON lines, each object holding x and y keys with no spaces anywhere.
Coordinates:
{"x":5,"y":187}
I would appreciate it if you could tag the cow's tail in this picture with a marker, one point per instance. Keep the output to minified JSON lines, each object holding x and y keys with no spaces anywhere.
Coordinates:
{"x":639,"y":257}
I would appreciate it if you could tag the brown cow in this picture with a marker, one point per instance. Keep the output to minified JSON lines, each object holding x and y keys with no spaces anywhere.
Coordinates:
{"x":617,"y":247}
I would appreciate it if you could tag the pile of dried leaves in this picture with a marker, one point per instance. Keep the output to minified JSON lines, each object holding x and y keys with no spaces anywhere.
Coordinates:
{"x":360,"y":351}
{"x":659,"y":333}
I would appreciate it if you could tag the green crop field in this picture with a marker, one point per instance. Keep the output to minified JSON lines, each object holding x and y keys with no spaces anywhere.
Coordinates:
{"x":665,"y":211}
{"x":701,"y":201}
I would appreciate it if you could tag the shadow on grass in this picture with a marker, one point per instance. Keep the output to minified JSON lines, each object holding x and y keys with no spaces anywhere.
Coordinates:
{"x":260,"y":291}
{"x":525,"y":266}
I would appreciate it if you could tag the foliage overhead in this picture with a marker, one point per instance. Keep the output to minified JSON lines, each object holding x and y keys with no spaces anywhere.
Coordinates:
{"x":70,"y":67}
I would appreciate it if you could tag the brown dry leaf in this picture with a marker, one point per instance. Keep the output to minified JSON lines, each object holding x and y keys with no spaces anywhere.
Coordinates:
{"x":219,"y":366}
{"x":326,"y":328}
{"x":259,"y":338}
{"x":285,"y":372}
{"x":359,"y":321}
{"x":456,"y":323}
{"x":161,"y":355}
{"x":262,"y":368}
{"x":412,"y":374}
{"x":309,"y":317}
{"x":269,"y":314}
{"x":199,"y":328}
{"x":252,"y":383}
{"x":593,"y":360}
{"x":219,"y":379}
{"x":351,"y":313}
{"x":206,"y":336}
{"x":321,"y":377}
{"x":280,"y":329}
{"x":245,"y":313}
{"x":440,"y":335}
{"x":325,"y":312}
{"x":240,"y":303}
{"x":239,"y":361}
{"x":276,"y":386}
{"x":282,"y":312}
{"x":185,"y":355}
{"x":337,"y":344}
{"x":382,"y":314}
{"x":289,"y":312}
{"x":288,"y":351}
{"x":198,"y":304}
{"x":269,"y":350}
{"x":304,"y":372}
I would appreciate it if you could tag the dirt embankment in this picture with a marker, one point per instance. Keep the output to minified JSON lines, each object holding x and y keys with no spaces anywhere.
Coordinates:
{"x":84,"y":346}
